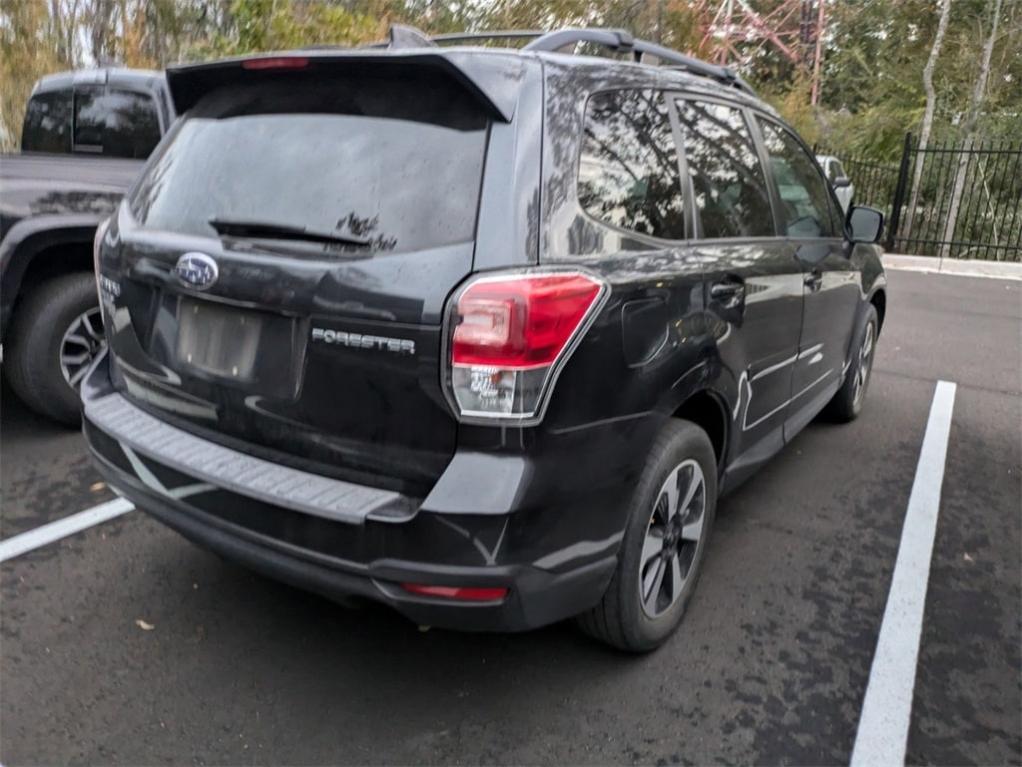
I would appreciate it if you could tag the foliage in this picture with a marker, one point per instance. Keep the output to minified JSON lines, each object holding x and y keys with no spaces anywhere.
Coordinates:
{"x":27,"y":50}
{"x":871,"y":94}
{"x":874,"y":91}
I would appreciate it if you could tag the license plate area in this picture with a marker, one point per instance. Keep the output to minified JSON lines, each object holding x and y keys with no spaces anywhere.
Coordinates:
{"x":259,"y":351}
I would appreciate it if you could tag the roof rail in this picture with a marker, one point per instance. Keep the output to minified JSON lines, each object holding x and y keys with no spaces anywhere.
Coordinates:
{"x":562,"y":39}
{"x":620,"y":40}
{"x":500,"y":34}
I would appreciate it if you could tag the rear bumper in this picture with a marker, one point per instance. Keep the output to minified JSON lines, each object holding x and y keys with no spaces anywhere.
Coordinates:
{"x":536,"y":597}
{"x":549,"y":572}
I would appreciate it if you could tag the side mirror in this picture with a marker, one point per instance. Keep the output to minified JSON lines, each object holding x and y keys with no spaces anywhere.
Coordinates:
{"x":865,"y":224}
{"x":841,"y":182}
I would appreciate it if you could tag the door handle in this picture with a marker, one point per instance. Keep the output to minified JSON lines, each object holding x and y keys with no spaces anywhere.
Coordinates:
{"x":729,"y":294}
{"x":727,"y":290}
{"x":814,"y":280}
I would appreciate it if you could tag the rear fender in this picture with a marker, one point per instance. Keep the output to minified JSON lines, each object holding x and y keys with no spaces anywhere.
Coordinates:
{"x":711,"y":377}
{"x":30,"y":237}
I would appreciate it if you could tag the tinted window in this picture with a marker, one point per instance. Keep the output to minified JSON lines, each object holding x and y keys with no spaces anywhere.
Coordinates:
{"x":805,"y":200}
{"x":398,"y":162}
{"x":115,"y":122}
{"x":728,"y":181}
{"x":628,"y":172}
{"x":47,"y":126}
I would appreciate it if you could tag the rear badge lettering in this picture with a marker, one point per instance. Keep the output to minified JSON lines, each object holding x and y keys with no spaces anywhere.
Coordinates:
{"x":363,"y":341}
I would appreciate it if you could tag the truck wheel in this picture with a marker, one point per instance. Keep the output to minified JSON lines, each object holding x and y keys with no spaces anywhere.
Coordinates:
{"x":847,"y":402}
{"x":56,"y":333}
{"x":664,"y":543}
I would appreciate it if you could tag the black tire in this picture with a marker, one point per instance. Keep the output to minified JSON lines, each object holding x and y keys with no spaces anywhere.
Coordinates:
{"x":847,"y":402}
{"x":621,"y":618}
{"x":32,"y":363}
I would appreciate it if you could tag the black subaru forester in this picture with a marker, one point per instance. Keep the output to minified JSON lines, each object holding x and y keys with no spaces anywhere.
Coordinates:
{"x":481,"y":334}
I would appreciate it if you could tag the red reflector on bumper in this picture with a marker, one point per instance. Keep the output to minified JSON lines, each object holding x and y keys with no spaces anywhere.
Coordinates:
{"x":462,"y":593}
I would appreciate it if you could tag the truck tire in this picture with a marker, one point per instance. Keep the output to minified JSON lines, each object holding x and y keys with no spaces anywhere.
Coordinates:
{"x":646,"y":600}
{"x":847,"y":402}
{"x":55,"y":334}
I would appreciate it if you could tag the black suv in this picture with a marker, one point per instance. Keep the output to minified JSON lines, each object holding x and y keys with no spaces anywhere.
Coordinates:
{"x":481,"y":334}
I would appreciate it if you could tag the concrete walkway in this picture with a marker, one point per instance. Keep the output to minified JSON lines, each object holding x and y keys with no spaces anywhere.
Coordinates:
{"x":1004,"y":270}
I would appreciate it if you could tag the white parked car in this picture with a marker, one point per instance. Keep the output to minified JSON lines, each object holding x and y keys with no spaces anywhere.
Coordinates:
{"x":843,"y":187}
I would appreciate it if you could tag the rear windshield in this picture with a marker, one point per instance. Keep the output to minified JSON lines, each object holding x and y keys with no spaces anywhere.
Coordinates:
{"x":115,"y":122}
{"x":47,"y":126}
{"x":397,"y":162}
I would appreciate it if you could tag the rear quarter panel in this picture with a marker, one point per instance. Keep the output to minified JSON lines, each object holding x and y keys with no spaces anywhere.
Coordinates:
{"x":48,"y":201}
{"x":866,"y":259}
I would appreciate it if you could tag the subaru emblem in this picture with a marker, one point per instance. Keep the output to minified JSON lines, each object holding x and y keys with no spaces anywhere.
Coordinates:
{"x":196,"y":270}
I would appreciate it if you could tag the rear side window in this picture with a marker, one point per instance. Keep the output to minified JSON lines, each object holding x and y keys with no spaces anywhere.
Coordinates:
{"x":394,"y":160}
{"x":628,"y":171}
{"x":47,"y":126}
{"x":115,"y":122}
{"x":805,"y":201}
{"x":727,"y":178}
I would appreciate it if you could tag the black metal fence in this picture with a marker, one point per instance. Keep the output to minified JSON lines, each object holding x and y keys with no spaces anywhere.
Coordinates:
{"x":875,"y":183}
{"x":951,"y":199}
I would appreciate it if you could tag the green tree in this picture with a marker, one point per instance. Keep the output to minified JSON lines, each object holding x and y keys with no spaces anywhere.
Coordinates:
{"x":29,"y":48}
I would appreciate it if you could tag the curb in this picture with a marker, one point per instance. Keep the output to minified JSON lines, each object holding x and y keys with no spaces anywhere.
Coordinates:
{"x":1001,"y":270}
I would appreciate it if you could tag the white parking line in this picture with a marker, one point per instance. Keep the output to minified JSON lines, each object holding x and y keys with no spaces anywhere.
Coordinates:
{"x":33,"y":539}
{"x":887,"y":709}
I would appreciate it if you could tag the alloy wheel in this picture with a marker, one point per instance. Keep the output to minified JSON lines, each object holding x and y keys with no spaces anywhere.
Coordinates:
{"x":672,"y":537}
{"x":865,"y":361}
{"x":82,"y":342}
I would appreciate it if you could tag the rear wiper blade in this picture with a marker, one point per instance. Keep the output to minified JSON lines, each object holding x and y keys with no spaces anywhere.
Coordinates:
{"x":261,"y":229}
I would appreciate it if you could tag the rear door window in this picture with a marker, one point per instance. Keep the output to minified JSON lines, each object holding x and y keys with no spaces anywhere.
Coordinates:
{"x":728,"y":181}
{"x":806,"y":207}
{"x":395,"y":161}
{"x":47,"y":126}
{"x":115,"y":122}
{"x":628,"y":172}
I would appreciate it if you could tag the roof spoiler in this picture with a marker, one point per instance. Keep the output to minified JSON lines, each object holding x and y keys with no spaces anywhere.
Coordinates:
{"x":493,"y":79}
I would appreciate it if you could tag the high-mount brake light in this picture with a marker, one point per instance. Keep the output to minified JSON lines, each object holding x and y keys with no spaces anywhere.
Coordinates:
{"x":276,"y":62}
{"x":509,"y":335}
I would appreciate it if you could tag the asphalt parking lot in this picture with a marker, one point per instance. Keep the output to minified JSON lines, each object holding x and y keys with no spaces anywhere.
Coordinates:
{"x":770,"y":666}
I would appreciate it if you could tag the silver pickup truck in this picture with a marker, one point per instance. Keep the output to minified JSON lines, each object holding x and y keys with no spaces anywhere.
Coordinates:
{"x":85,"y":137}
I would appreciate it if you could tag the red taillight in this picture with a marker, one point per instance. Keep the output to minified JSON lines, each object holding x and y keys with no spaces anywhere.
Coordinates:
{"x":276,"y":62}
{"x":520,"y":323}
{"x":462,"y":593}
{"x":509,"y":335}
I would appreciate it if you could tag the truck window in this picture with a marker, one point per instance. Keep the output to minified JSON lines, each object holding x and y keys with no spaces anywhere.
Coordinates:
{"x":835,"y":171}
{"x":47,"y":126}
{"x":115,"y":122}
{"x":628,"y":172}
{"x":730,"y":187}
{"x":805,"y":202}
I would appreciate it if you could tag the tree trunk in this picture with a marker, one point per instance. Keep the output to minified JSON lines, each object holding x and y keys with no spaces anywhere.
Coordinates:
{"x":71,"y":28}
{"x":58,"y":30}
{"x":102,"y":32}
{"x":931,"y":105}
{"x":970,"y":129}
{"x":814,"y":98}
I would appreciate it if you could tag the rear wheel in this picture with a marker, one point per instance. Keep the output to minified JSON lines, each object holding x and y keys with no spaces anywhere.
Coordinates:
{"x":847,"y":402}
{"x":664,"y":544}
{"x":55,"y":335}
